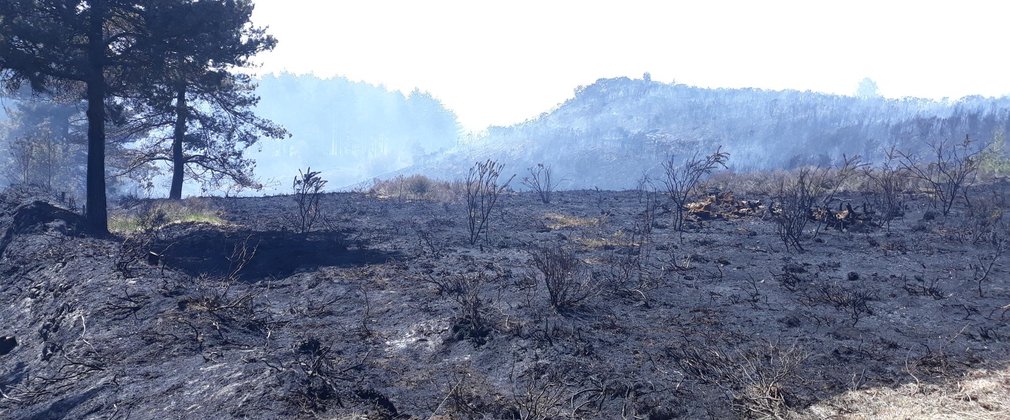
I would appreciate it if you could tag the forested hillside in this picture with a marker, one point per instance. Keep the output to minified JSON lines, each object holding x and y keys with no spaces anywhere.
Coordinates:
{"x":350,"y":131}
{"x":614,"y":130}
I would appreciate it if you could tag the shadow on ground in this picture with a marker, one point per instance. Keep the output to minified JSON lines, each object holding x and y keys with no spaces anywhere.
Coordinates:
{"x":197,"y":249}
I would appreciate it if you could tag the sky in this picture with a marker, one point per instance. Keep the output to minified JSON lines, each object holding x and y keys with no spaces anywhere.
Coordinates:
{"x":502,"y":62}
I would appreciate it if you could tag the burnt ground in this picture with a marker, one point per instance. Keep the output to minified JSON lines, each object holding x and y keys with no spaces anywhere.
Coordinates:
{"x":359,"y":319}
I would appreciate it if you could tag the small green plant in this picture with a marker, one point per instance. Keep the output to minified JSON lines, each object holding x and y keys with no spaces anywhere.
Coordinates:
{"x":993,"y":160}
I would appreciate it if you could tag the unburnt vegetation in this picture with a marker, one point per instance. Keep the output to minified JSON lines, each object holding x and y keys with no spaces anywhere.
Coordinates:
{"x":824,"y":292}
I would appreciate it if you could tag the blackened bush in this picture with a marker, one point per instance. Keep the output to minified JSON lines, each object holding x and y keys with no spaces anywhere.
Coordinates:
{"x":795,"y":201}
{"x":482,"y":192}
{"x":307,"y":189}
{"x":568,"y":283}
{"x":682,"y":180}
{"x":947,"y":172}
{"x":541,"y":181}
{"x":890,"y":182}
{"x":797,"y":198}
{"x":465,"y":291}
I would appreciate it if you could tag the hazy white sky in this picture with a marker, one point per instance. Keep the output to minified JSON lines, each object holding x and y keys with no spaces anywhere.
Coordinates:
{"x":501,"y":62}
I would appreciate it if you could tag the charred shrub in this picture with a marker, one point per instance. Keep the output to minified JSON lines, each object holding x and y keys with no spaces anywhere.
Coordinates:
{"x":225,"y":297}
{"x":427,"y":239}
{"x":482,"y":192}
{"x":568,"y":283}
{"x":794,"y":200}
{"x":757,"y":379}
{"x":318,"y":382}
{"x":853,"y":301}
{"x":307,"y":189}
{"x":682,"y":179}
{"x":798,"y":197}
{"x":985,"y":221}
{"x":889,"y":182}
{"x":470,"y":395}
{"x":540,"y":181}
{"x":921,"y":288}
{"x":538,"y":393}
{"x":131,"y":250}
{"x":763,"y":376}
{"x":947,"y":171}
{"x":315,"y":379}
{"x":466,"y":291}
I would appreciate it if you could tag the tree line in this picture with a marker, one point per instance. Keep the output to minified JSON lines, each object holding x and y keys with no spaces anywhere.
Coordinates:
{"x":615,"y":130}
{"x":160,"y":77}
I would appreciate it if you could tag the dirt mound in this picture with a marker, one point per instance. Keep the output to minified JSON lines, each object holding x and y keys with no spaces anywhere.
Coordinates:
{"x":89,"y":332}
{"x":38,"y":217}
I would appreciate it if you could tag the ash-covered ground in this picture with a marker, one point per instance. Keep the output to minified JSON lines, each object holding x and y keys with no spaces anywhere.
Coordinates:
{"x":385,"y":310}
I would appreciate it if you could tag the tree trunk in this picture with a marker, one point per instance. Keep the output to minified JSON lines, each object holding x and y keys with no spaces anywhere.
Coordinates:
{"x":96,"y":214}
{"x":178,"y":162}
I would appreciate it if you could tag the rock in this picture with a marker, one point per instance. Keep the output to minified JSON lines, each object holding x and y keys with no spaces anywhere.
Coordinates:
{"x":698,"y":258}
{"x":7,"y":344}
{"x":846,"y":333}
{"x":794,"y":268}
{"x":38,"y":217}
{"x":790,"y":321}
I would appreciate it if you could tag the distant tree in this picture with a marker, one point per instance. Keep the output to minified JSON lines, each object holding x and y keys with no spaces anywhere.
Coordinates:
{"x":364,"y":129}
{"x":43,"y":143}
{"x":867,"y":89}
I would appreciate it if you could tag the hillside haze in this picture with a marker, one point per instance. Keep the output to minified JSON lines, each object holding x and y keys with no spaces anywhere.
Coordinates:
{"x":350,"y":131}
{"x":612,"y":132}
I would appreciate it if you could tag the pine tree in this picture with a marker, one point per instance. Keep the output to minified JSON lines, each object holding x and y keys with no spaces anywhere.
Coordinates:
{"x":128,"y":50}
{"x":199,"y":98}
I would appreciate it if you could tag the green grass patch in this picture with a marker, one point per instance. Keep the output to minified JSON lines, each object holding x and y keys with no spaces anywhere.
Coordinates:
{"x":158,"y":214}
